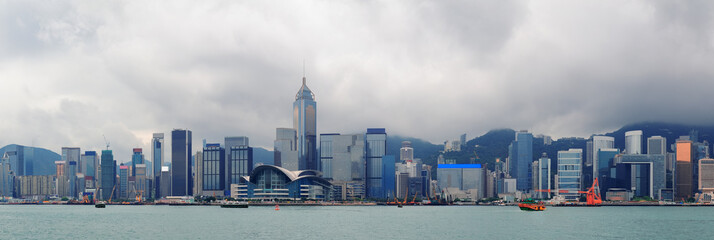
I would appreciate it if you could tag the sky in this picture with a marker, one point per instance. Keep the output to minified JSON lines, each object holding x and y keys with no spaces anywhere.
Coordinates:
{"x":72,"y":72}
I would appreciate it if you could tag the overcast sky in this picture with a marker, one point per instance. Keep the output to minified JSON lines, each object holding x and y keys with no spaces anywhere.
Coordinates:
{"x":72,"y":71}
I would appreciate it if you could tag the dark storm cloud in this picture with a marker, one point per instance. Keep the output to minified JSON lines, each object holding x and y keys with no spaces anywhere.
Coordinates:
{"x":74,"y":71}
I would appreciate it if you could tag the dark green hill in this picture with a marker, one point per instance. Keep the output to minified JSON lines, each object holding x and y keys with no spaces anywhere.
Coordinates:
{"x":668,"y":130}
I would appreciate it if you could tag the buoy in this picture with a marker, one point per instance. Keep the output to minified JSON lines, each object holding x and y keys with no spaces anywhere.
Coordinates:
{"x":277,"y":207}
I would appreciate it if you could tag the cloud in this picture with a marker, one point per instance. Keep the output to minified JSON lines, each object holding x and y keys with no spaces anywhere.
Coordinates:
{"x":73,"y":71}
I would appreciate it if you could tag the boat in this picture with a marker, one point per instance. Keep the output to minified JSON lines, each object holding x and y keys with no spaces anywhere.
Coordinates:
{"x":100,"y":204}
{"x":234,"y":205}
{"x":531,"y":205}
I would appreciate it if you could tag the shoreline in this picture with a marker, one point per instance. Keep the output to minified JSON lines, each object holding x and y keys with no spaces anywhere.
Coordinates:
{"x":315,"y":204}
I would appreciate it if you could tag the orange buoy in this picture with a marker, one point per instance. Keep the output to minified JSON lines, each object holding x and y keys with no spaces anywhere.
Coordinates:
{"x":277,"y":207}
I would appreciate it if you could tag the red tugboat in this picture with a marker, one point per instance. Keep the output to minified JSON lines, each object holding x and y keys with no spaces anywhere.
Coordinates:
{"x":531,"y":205}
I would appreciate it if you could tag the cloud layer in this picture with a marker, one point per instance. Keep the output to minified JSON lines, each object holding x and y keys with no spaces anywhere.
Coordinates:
{"x":72,"y":71}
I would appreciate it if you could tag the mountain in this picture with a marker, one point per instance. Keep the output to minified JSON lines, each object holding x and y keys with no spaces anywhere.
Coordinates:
{"x":37,"y":161}
{"x":668,"y":130}
{"x":426,"y":151}
{"x":262,"y":156}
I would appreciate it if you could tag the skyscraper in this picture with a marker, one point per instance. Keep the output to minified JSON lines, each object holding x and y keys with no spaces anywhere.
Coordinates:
{"x":544,"y":176}
{"x":89,"y":163}
{"x":656,"y":145}
{"x":136,"y":158}
{"x":305,"y":123}
{"x":157,"y":155}
{"x":213,"y":171}
{"x":239,"y":159}
{"x":406,"y":153}
{"x":684,"y":186}
{"x":123,"y":181}
{"x":606,"y":163}
{"x":633,"y":142}
{"x":569,"y":172}
{"x":285,"y":151}
{"x":7,"y":178}
{"x":520,"y":157}
{"x":600,"y":142}
{"x":326,"y":154}
{"x":108,"y":174}
{"x":181,"y":174}
{"x":376,"y":148}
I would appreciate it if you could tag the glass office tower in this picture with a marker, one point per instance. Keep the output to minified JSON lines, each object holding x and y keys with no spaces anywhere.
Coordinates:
{"x":181,"y":177}
{"x":108,"y":174}
{"x":305,"y":123}
{"x":376,"y":148}
{"x":569,"y":172}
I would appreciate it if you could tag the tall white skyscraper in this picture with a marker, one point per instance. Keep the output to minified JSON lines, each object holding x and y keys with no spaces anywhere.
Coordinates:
{"x":633,"y":142}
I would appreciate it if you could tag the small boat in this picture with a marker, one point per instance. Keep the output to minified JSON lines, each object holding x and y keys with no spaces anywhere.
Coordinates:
{"x":234,"y":205}
{"x":531,"y":205}
{"x":277,"y":207}
{"x":400,"y":206}
{"x":100,"y":204}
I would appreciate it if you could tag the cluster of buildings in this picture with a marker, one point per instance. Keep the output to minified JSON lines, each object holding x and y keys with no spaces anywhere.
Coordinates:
{"x":346,"y":167}
{"x":645,"y":169}
{"x":356,"y":166}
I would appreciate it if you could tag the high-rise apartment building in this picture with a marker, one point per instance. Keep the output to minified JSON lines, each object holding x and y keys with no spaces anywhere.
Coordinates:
{"x":305,"y":124}
{"x":181,"y":154}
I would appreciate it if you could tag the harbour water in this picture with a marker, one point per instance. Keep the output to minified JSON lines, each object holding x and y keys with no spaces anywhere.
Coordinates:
{"x":353,"y":222}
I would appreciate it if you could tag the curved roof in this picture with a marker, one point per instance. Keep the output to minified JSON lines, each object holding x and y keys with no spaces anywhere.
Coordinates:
{"x":292,"y":175}
{"x":304,"y":93}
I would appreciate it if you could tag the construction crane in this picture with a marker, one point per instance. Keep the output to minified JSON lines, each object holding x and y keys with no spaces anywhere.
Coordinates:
{"x":413,"y":202}
{"x":105,"y":141}
{"x":112,"y":195}
{"x":592,"y":194}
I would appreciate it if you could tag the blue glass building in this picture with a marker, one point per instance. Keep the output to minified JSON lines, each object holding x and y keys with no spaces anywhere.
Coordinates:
{"x":89,"y":163}
{"x":136,"y":158}
{"x":305,"y":123}
{"x":606,"y":169}
{"x":376,"y":148}
{"x":388,"y":176}
{"x":520,"y":158}
{"x":157,"y":155}
{"x":108,"y":176}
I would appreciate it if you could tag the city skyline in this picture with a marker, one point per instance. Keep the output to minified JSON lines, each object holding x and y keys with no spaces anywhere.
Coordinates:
{"x":74,"y":72}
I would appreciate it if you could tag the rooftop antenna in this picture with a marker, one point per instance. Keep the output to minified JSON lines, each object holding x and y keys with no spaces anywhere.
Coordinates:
{"x":303,"y":71}
{"x":105,"y":141}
